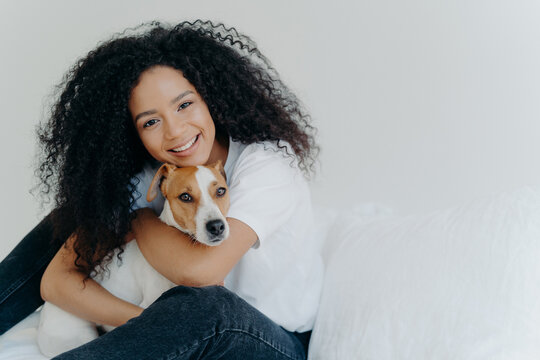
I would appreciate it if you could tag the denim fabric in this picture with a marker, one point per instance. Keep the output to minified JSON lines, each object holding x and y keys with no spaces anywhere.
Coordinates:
{"x":196,"y":323}
{"x":184,"y":323}
{"x":20,"y":274}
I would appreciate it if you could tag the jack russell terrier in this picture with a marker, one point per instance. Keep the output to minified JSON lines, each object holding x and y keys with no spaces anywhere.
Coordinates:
{"x":196,"y":202}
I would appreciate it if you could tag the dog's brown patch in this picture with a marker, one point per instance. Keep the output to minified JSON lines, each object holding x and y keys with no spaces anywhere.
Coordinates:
{"x":183,"y":181}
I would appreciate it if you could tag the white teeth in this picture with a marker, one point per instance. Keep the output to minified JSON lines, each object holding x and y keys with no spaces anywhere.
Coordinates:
{"x":187,"y":146}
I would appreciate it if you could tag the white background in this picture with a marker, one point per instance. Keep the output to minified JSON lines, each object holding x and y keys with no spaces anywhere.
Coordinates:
{"x":420,"y":104}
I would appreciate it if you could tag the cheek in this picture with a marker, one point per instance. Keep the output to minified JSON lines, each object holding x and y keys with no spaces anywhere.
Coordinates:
{"x":207,"y":122}
{"x":211,"y":126}
{"x":151,"y":143}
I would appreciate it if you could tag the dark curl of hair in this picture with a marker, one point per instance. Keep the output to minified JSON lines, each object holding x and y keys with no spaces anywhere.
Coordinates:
{"x":91,"y":153}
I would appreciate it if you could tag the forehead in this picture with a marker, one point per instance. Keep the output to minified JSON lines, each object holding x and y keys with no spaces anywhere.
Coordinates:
{"x":158,"y":83}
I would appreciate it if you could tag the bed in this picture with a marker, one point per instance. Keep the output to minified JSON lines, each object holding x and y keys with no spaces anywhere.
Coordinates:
{"x":457,"y":283}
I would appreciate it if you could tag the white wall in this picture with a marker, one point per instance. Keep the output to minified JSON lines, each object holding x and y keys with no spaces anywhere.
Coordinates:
{"x":420,"y":104}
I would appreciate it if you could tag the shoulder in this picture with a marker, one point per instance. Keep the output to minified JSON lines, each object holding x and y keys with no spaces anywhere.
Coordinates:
{"x":268,"y":161}
{"x":272,"y":149}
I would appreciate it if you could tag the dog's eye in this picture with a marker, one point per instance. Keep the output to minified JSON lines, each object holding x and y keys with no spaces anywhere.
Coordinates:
{"x":221,"y":191}
{"x":185,"y":197}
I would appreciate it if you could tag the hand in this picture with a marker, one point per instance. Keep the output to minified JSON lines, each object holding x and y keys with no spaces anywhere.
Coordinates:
{"x":63,"y":285}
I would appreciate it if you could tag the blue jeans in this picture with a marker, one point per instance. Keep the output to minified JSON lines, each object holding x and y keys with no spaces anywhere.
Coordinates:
{"x":184,"y":323}
{"x":21,"y":271}
{"x":195,"y":323}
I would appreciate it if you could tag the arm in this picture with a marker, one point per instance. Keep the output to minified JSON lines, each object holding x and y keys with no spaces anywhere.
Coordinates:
{"x":178,"y":258}
{"x":62,"y":285}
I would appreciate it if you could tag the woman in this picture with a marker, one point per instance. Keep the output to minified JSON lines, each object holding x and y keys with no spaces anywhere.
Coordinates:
{"x":188,"y":95}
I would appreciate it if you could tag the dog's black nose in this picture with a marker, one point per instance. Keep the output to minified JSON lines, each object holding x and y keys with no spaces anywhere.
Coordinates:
{"x":215,"y":227}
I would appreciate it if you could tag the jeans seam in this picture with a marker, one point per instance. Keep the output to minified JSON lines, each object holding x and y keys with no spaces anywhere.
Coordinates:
{"x":22,"y":280}
{"x":10,"y":290}
{"x":179,"y":353}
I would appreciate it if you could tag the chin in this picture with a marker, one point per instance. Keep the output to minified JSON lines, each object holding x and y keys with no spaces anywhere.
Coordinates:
{"x":191,"y":161}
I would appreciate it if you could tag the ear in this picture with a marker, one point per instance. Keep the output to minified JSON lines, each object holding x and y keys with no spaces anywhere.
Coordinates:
{"x":219,"y":167}
{"x":161,"y":175}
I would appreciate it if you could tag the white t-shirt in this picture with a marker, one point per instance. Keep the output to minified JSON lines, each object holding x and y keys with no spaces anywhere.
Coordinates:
{"x":281,"y":275}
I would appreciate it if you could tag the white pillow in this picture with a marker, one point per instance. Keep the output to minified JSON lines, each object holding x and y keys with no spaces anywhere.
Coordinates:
{"x":462,"y":283}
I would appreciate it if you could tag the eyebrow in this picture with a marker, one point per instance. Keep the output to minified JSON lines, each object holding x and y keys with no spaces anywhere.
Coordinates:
{"x":187,"y":92}
{"x":153,"y":111}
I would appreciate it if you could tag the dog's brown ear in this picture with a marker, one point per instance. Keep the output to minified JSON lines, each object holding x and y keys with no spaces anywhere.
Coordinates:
{"x":159,"y":179}
{"x":219,"y":167}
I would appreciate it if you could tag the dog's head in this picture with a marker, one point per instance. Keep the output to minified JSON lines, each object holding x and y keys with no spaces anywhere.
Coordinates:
{"x":196,"y":200}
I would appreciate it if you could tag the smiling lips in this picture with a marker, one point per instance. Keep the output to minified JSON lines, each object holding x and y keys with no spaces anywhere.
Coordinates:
{"x":186,"y":146}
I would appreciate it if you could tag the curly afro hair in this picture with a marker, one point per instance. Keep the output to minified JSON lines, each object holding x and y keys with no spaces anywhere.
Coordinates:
{"x":90,"y":150}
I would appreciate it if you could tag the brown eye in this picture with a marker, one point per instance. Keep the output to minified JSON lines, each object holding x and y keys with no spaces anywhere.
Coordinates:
{"x":221,"y":191}
{"x":185,"y":197}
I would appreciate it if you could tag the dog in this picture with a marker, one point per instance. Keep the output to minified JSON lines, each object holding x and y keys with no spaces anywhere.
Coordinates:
{"x":196,"y":203}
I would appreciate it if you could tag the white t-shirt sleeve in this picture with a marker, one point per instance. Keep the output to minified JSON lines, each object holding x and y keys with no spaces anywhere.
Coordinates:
{"x":263,"y":189}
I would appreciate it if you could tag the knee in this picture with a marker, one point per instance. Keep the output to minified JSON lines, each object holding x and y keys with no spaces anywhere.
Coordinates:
{"x":203,"y":298}
{"x":211,"y":303}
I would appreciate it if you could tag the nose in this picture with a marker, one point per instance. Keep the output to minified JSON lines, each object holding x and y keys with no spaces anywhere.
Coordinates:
{"x":174,"y":128}
{"x":215,"y":227}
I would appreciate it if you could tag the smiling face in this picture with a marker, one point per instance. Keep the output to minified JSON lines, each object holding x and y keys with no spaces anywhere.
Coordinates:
{"x":172,"y":119}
